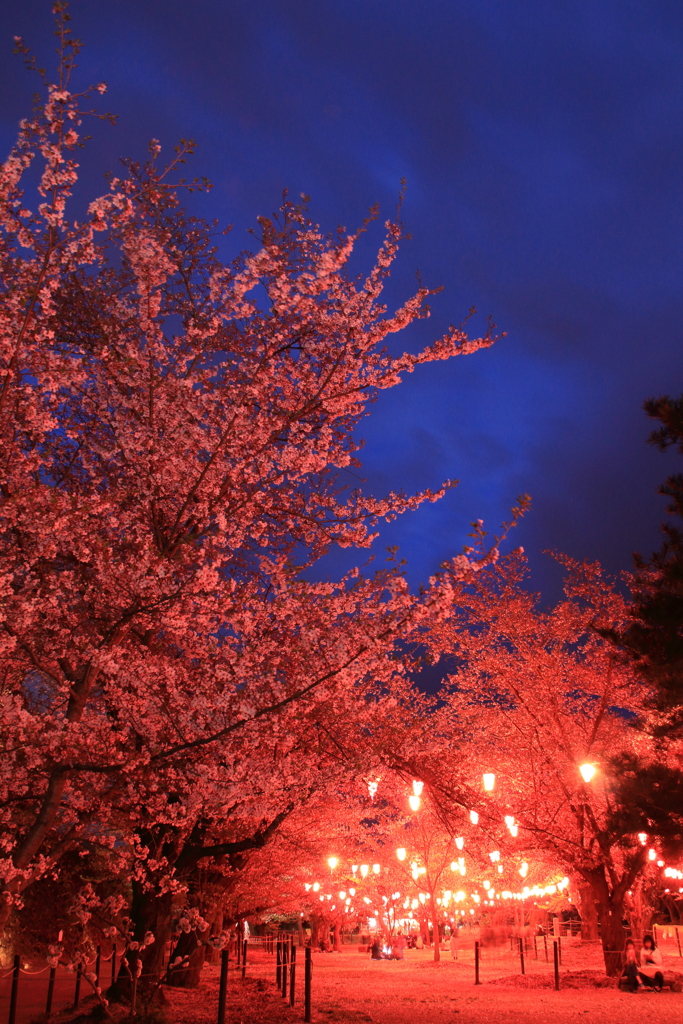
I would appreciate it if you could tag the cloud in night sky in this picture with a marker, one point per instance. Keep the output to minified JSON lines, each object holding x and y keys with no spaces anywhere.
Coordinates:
{"x":542,"y":148}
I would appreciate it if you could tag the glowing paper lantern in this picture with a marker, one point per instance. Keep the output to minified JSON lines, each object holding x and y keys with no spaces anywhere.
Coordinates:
{"x":414,"y":802}
{"x":376,"y":868}
{"x":333,"y":861}
{"x":401,"y":853}
{"x":509,"y":820}
{"x":364,"y":870}
{"x":652,"y":854}
{"x":474,"y":817}
{"x":372,"y":789}
{"x":460,"y":842}
{"x":354,"y":868}
{"x":514,"y":830}
{"x":417,"y":787}
{"x":489,"y":781}
{"x":524,"y":870}
{"x":587,"y":772}
{"x":316,"y":886}
{"x":642,"y":838}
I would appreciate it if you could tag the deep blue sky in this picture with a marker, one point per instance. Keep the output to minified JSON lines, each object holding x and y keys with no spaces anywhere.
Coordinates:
{"x":542,"y":146}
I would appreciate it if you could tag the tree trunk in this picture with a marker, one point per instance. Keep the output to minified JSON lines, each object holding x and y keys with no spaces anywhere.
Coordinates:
{"x":589,"y":915}
{"x":435,"y":925}
{"x":149,"y":913}
{"x":612,"y":936}
{"x":192,"y":950}
{"x":337,"y":937}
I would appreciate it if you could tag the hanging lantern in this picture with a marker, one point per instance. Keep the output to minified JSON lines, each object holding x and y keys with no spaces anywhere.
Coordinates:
{"x":376,"y":868}
{"x":587,"y":772}
{"x":354,"y":868}
{"x":417,"y":787}
{"x":414,"y":802}
{"x":489,"y":781}
{"x":401,"y":853}
{"x":509,"y":820}
{"x":460,"y":842}
{"x":364,"y":870}
{"x":524,"y":870}
{"x":642,"y":838}
{"x":372,"y":789}
{"x":474,"y":817}
{"x":514,"y":829}
{"x":332,"y":861}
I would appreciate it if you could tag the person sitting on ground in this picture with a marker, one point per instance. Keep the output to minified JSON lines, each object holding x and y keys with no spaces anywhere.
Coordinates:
{"x":630,"y":971}
{"x":398,"y":946}
{"x":376,"y":950}
{"x":651,"y":965}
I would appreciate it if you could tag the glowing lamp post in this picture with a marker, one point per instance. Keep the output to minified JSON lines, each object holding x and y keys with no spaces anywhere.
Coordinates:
{"x":489,"y":781}
{"x":587,"y":772}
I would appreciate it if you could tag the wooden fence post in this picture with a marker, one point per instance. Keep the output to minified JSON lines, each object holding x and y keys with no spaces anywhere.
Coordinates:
{"x":292,"y":975}
{"x":77,"y":990}
{"x":556,"y":963}
{"x":308,"y":971}
{"x":476,"y":964}
{"x":285,"y":967}
{"x":15,"y":991}
{"x":50,"y":991}
{"x":223,"y":987}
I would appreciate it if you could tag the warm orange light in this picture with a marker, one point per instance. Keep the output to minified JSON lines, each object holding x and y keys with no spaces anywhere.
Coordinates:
{"x":489,"y":781}
{"x":364,"y":870}
{"x":417,"y":787}
{"x":474,"y":817}
{"x":460,"y":842}
{"x":524,"y":870}
{"x":642,"y":838}
{"x":414,"y":802}
{"x":652,"y":854}
{"x":587,"y":772}
{"x":401,"y":853}
{"x":376,"y":868}
{"x":509,"y":820}
{"x":333,"y":861}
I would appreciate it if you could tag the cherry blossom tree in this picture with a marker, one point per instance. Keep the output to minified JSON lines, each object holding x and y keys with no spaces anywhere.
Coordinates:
{"x":539,"y":695}
{"x":172,"y":433}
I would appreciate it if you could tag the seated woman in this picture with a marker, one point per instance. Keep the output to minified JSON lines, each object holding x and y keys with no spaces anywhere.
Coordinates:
{"x":376,"y":950}
{"x":630,"y":971}
{"x":651,"y":965}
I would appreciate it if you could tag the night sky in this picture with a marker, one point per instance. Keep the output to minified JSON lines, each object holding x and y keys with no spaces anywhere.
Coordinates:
{"x":542,"y":147}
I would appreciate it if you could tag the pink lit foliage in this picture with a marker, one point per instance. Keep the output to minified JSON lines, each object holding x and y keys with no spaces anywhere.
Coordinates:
{"x":171,"y":433}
